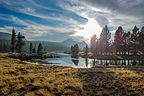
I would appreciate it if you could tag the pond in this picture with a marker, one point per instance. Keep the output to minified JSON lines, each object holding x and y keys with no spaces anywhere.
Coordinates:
{"x":66,"y":60}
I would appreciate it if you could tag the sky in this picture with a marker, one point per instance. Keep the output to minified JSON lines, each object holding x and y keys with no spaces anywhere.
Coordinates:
{"x":58,"y":20}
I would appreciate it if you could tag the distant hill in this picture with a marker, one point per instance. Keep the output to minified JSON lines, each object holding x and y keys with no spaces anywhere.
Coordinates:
{"x":48,"y":45}
{"x":82,"y":45}
{"x":70,"y":42}
{"x":7,"y":36}
{"x":4,"y":35}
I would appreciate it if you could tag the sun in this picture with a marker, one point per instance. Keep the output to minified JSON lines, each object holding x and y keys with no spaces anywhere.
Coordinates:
{"x":90,"y":28}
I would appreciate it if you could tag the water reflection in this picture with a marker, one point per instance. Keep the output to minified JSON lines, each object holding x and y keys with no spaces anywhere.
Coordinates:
{"x":86,"y":62}
{"x":79,"y":62}
{"x":119,"y":62}
{"x":67,"y":60}
{"x":75,"y":61}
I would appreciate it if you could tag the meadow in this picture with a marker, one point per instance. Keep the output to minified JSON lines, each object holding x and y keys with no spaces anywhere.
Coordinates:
{"x":30,"y":79}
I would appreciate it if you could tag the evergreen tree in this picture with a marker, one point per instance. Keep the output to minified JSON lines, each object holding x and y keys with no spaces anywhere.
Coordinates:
{"x":40,"y":48}
{"x":104,"y":39}
{"x":75,"y":50}
{"x":31,"y":48}
{"x":118,"y":39}
{"x":118,"y":35}
{"x":76,"y":47}
{"x":128,"y":42}
{"x":142,"y":29}
{"x":134,"y":40}
{"x":135,"y":30}
{"x":93,"y":43}
{"x":93,"y":46}
{"x":125,"y":38}
{"x":20,"y":43}
{"x":86,"y":51}
{"x":13,"y":40}
{"x":141,"y":40}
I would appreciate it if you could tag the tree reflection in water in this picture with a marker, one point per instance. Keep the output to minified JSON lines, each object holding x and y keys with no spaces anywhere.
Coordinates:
{"x":75,"y":60}
{"x":86,"y":62}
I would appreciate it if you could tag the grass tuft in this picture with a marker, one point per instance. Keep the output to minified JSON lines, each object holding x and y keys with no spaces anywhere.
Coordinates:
{"x":30,"y":79}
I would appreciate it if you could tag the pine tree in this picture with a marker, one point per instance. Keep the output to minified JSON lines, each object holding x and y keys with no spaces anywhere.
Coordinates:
{"x":142,"y":29}
{"x":75,"y":50}
{"x":13,"y":40}
{"x":20,"y":43}
{"x":141,"y":40}
{"x":76,"y":47}
{"x":93,"y":43}
{"x":31,"y":48}
{"x":134,"y":39}
{"x":93,"y":46}
{"x":40,"y":48}
{"x":86,"y":49}
{"x":118,"y":39}
{"x":104,"y":39}
{"x":124,"y":47}
{"x":135,"y":30}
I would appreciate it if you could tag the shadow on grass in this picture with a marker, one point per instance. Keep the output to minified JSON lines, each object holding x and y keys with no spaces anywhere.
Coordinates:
{"x":136,"y":68}
{"x":104,"y":82}
{"x":98,"y":82}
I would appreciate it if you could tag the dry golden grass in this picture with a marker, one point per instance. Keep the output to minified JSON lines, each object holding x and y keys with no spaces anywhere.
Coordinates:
{"x":30,"y":79}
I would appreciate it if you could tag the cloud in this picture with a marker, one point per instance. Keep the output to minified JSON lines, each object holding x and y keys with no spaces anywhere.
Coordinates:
{"x":129,"y":3}
{"x":113,"y":13}
{"x":34,"y":30}
{"x":72,"y":16}
{"x":59,"y":37}
{"x":67,"y":23}
{"x":32,"y":8}
{"x":41,"y":6}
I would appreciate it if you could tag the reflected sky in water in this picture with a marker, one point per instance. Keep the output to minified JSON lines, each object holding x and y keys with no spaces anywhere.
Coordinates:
{"x":66,"y":60}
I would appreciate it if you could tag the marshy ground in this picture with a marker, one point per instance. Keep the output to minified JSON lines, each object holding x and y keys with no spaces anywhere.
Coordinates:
{"x":30,"y":79}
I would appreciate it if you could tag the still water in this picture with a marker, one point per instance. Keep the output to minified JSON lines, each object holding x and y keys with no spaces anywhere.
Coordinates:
{"x":66,"y":60}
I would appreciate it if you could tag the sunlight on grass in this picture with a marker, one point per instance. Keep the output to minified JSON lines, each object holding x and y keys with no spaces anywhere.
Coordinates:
{"x":30,"y":79}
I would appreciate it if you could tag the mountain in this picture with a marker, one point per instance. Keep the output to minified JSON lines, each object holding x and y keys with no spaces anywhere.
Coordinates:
{"x":4,"y":35}
{"x":47,"y":45}
{"x":5,"y":46}
{"x":7,"y":36}
{"x":70,"y":42}
{"x":82,"y":44}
